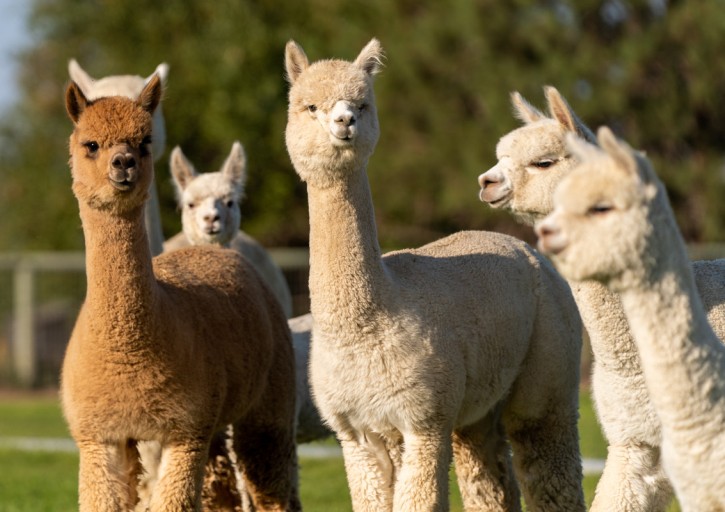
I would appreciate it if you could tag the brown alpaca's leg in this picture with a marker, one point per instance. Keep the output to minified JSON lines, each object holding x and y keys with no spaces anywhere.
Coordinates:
{"x":483,"y":467}
{"x":180,"y":478}
{"x":102,"y":481}
{"x":267,"y":456}
{"x":220,"y":491}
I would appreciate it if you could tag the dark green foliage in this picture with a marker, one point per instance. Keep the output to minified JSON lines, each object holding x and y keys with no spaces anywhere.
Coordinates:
{"x":651,"y":70}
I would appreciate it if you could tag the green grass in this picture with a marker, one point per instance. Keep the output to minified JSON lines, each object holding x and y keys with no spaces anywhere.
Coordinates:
{"x":44,"y":481}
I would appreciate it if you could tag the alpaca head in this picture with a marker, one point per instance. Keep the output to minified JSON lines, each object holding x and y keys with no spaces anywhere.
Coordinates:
{"x":605,"y":212}
{"x":532,"y":159}
{"x":124,"y":85}
{"x":110,"y":147}
{"x":332,"y":123}
{"x":209,"y":202}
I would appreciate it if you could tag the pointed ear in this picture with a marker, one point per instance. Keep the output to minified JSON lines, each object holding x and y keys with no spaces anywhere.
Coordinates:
{"x":162,"y":70}
{"x":182,"y":171}
{"x":619,"y":151}
{"x":150,"y":95}
{"x":524,"y":111}
{"x":295,"y":61}
{"x":371,"y":58}
{"x":79,"y":76}
{"x":75,"y":102}
{"x":580,"y":148}
{"x":235,"y":166}
{"x":562,"y":112}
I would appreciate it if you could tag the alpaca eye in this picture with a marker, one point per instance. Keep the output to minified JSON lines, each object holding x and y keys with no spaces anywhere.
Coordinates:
{"x":363,"y":107}
{"x":91,"y":147}
{"x":230,"y":203}
{"x":544,"y":164}
{"x":599,"y":209}
{"x":190,"y":206}
{"x":312,"y":108}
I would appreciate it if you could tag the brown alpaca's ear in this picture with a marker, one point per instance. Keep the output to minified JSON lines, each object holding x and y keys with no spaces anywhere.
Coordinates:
{"x":235,"y":166}
{"x":371,"y":57}
{"x":182,"y":170}
{"x":295,"y":61}
{"x":524,"y":110}
{"x":562,"y":112}
{"x":150,"y":96}
{"x":75,"y":102}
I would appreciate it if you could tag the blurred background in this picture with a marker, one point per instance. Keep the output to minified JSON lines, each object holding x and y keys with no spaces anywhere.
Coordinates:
{"x":653,"y":70}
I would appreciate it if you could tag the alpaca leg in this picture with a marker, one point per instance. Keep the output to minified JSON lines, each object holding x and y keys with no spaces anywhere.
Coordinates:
{"x":547,"y":461}
{"x":423,"y":481}
{"x":150,"y":456}
{"x":104,"y":477}
{"x":267,"y":457}
{"x":220,"y":492}
{"x":633,"y":481}
{"x":483,"y":467}
{"x":370,"y":472}
{"x":180,"y":477}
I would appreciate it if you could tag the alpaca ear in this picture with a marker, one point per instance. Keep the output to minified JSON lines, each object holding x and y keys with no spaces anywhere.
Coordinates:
{"x":150,"y":96}
{"x":524,"y":110}
{"x":235,"y":166}
{"x":79,"y":76}
{"x":371,"y":57}
{"x":182,"y":170}
{"x":162,"y":70}
{"x":562,"y":112}
{"x":295,"y":61}
{"x":619,"y":151}
{"x":75,"y":102}
{"x":580,"y":148}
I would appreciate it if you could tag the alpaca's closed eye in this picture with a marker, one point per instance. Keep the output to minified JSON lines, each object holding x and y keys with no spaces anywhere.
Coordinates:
{"x":544,"y":164}
{"x":599,"y":209}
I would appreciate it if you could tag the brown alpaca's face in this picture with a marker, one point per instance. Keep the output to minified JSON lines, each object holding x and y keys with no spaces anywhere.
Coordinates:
{"x":110,"y":150}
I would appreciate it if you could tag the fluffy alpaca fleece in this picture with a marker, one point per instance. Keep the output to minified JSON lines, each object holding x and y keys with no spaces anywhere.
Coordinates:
{"x":171,"y":349}
{"x":612,"y":222}
{"x":532,"y":161}
{"x":211,"y":214}
{"x":451,"y":349}
{"x":131,"y":86}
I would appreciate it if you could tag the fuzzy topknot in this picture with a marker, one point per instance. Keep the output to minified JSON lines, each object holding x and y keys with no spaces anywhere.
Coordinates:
{"x":114,"y":119}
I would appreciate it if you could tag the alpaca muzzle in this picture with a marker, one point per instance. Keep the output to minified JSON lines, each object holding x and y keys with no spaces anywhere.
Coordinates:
{"x":123,"y":173}
{"x":494,"y":189}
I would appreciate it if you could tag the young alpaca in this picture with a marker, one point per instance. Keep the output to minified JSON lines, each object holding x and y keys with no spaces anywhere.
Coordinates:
{"x":169,"y":350}
{"x":210,"y":214}
{"x":612,"y":223}
{"x":130,"y":86}
{"x":422,"y":349}
{"x":533,"y":159}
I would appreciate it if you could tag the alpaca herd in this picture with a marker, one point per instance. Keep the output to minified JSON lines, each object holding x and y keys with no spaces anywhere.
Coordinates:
{"x":186,"y":385}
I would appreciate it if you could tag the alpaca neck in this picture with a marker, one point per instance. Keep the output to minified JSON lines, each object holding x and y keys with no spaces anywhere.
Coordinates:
{"x":346,"y":270}
{"x":679,"y":352}
{"x":121,"y":283}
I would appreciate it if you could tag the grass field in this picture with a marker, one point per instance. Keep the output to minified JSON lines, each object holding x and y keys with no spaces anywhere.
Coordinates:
{"x":45,"y":481}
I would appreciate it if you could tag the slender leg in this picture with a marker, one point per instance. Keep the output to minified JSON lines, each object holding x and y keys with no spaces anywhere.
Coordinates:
{"x":103,"y":478}
{"x":219,"y":492}
{"x":180,"y":476}
{"x":483,"y":467}
{"x":423,"y":481}
{"x":369,"y":471}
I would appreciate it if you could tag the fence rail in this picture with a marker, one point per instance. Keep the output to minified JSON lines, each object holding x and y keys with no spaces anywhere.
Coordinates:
{"x":25,"y":267}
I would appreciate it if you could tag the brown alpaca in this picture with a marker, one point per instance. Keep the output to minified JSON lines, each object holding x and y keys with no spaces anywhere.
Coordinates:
{"x":170,"y":349}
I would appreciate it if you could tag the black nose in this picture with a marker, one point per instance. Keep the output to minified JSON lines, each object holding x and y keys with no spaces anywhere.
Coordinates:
{"x":123,"y":161}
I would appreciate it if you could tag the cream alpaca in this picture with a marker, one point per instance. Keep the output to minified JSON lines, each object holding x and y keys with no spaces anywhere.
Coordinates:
{"x":423,"y":349}
{"x":533,"y":159}
{"x":130,"y":86}
{"x":612,"y":223}
{"x":168,"y":350}
{"x":210,"y":214}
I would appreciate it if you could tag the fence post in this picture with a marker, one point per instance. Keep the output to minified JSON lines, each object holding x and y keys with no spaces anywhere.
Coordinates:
{"x":24,"y":335}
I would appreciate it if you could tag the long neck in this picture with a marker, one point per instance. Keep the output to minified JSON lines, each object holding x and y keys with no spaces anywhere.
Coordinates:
{"x":681,"y":357}
{"x":346,"y":270}
{"x":122,"y":289}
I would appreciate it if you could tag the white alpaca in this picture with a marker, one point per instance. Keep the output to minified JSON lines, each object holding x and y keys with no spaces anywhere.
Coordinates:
{"x":612,"y":223}
{"x":210,"y":214}
{"x":166,"y":350}
{"x":533,"y":159}
{"x":131,"y":86}
{"x":419,"y":350}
